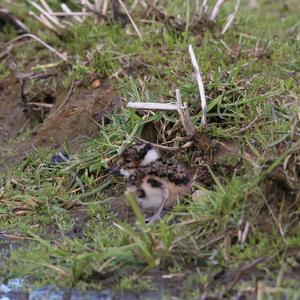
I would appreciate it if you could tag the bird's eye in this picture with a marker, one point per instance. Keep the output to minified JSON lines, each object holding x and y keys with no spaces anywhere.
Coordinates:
{"x":140,"y":193}
{"x":131,"y":178}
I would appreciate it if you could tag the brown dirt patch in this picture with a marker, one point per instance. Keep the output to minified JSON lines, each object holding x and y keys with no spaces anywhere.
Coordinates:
{"x":69,"y":121}
{"x":12,"y":118}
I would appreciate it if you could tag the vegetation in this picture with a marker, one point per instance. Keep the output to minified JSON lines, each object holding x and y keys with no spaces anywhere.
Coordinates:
{"x":244,"y":216}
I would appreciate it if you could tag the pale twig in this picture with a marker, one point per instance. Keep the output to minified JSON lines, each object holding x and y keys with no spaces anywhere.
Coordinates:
{"x":87,"y":4}
{"x":245,"y":233}
{"x":131,"y":19}
{"x":46,"y":105}
{"x":44,"y":12}
{"x":153,"y":106}
{"x":48,"y":9}
{"x":185,"y":115}
{"x":98,"y":5}
{"x":104,"y":7}
{"x":83,"y":5}
{"x":68,"y":96}
{"x":44,"y":21}
{"x":29,"y":35}
{"x":215,"y":10}
{"x":66,"y":9}
{"x":71,"y":14}
{"x":230,"y":18}
{"x":134,"y":4}
{"x":202,"y":9}
{"x":17,"y":22}
{"x":200,"y":84}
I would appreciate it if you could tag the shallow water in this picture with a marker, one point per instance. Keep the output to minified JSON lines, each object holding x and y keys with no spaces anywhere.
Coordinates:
{"x":13,"y":291}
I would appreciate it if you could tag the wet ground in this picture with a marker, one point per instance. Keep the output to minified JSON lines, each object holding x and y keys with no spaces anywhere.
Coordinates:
{"x":12,"y":292}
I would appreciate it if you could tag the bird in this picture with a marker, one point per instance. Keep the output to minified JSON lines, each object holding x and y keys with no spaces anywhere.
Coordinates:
{"x":159,"y":184}
{"x":155,"y":181}
{"x":135,"y":157}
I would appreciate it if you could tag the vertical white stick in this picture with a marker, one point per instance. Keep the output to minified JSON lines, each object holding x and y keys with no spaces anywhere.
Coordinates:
{"x":200,"y":84}
{"x":230,"y":18}
{"x":104,"y":7}
{"x":216,"y":9}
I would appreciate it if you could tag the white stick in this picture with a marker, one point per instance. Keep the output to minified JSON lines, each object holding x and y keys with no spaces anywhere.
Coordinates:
{"x":44,"y":21}
{"x":200,"y":84}
{"x":98,"y":5}
{"x":245,"y":233}
{"x":15,"y":19}
{"x":45,"y":13}
{"x":131,"y":20}
{"x":153,"y":106}
{"x":47,"y":105}
{"x":104,"y":7}
{"x":216,"y":9}
{"x":66,"y":9}
{"x":48,"y":8}
{"x":71,"y":14}
{"x":134,"y":4}
{"x":230,"y":18}
{"x":89,"y":5}
{"x":83,"y":6}
{"x":41,"y":42}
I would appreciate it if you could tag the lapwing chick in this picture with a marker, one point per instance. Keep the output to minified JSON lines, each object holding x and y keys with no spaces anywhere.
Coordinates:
{"x":159,"y":185}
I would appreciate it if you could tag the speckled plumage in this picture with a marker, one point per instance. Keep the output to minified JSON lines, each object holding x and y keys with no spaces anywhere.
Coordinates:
{"x":139,"y":155}
{"x":155,"y":181}
{"x":160,"y":179}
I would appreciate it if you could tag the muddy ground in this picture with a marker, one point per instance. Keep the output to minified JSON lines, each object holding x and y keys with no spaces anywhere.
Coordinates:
{"x":71,"y":116}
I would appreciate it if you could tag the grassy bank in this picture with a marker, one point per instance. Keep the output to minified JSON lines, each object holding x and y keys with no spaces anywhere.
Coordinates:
{"x":243,"y":234}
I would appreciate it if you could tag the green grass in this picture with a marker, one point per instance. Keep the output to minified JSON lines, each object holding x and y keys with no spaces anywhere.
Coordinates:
{"x":250,"y":103}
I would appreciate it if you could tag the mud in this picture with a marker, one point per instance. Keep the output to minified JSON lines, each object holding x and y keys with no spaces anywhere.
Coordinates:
{"x":73,"y":118}
{"x":12,"y":118}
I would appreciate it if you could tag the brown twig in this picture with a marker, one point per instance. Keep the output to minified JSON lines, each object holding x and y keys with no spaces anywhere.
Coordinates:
{"x":131,"y":19}
{"x":68,"y":96}
{"x":241,"y":271}
{"x":185,"y":115}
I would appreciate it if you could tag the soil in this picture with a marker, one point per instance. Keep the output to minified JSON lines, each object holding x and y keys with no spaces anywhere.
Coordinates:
{"x":71,"y":118}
